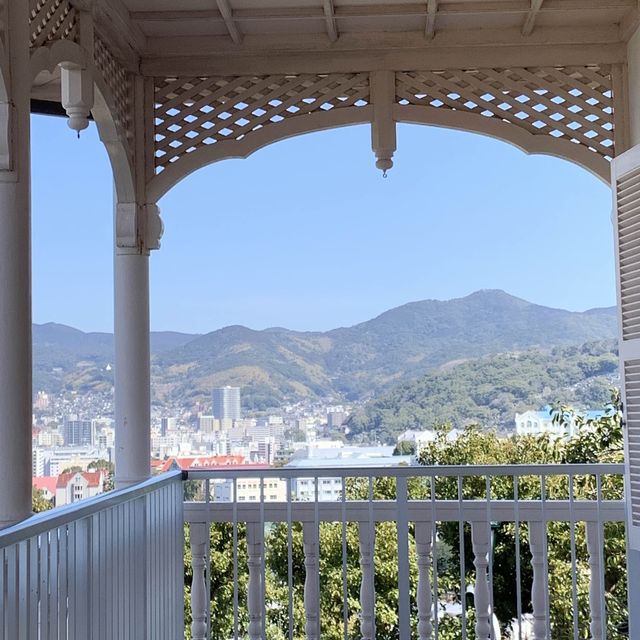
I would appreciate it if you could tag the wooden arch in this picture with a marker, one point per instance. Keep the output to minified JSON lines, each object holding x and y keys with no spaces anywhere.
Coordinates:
{"x":564,"y":112}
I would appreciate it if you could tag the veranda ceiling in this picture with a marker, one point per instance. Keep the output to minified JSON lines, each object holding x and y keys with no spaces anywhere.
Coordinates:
{"x":162,"y":34}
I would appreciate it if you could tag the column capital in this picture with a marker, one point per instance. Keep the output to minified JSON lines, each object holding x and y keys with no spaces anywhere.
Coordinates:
{"x":139,"y":227}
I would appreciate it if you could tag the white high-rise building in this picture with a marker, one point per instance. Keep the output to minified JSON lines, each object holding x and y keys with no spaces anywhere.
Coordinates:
{"x":226,"y":403}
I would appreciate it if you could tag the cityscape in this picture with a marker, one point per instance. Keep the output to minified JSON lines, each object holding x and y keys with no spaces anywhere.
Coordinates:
{"x":73,"y":432}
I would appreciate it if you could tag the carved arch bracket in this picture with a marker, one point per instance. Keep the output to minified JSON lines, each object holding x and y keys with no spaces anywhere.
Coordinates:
{"x":562,"y":111}
{"x":139,"y":228}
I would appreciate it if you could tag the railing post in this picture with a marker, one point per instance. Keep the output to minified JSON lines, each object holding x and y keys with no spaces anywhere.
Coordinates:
{"x":539,"y":586}
{"x":367,"y":587}
{"x":199,"y":595}
{"x":480,"y":542}
{"x":311,"y":595}
{"x":425,"y":599}
{"x":255,"y":536}
{"x":594,"y":540}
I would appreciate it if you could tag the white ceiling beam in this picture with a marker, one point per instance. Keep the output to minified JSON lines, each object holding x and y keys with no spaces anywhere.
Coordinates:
{"x":429,"y":58}
{"x":330,"y":19}
{"x":227,"y":15}
{"x":267,"y":44}
{"x":430,"y":27}
{"x":530,"y":20}
{"x":462,"y":8}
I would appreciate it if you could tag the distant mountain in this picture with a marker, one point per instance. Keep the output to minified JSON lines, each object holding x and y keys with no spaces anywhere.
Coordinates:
{"x":491,"y":389}
{"x":64,"y":356}
{"x":362,"y":360}
{"x":357,"y":362}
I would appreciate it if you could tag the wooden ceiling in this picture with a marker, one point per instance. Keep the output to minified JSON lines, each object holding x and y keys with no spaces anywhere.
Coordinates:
{"x":169,"y":35}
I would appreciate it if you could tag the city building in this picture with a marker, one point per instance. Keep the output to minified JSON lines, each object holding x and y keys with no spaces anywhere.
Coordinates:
{"x":226,"y":403}
{"x":417,"y":438}
{"x":37,"y":462}
{"x":167,"y":425}
{"x":77,"y":433}
{"x":185,"y":463}
{"x":72,"y":487}
{"x":250,"y":489}
{"x":334,"y":454}
{"x":535,"y":423}
{"x":208,"y":424}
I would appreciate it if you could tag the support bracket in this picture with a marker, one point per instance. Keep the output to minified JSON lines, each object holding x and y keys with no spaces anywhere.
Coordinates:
{"x":383,"y":127}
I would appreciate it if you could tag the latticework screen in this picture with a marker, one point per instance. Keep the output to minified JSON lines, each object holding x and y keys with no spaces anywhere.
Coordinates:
{"x":204,"y":111}
{"x":51,"y":20}
{"x":573,"y":103}
{"x":119,"y":83}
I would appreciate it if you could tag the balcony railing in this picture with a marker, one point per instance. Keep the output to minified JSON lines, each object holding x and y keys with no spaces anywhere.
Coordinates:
{"x":419,"y":504}
{"x":113,"y":566}
{"x":105,"y":568}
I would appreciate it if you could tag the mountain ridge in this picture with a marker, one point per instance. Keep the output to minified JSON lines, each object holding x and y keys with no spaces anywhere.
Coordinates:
{"x":277,"y":365}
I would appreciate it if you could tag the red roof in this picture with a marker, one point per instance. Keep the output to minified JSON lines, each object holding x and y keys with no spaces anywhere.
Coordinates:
{"x":207,"y":462}
{"x":45,"y":483}
{"x":93,"y":478}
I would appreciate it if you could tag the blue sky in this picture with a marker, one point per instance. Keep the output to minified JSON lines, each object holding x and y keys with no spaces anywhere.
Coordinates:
{"x":306,"y":233}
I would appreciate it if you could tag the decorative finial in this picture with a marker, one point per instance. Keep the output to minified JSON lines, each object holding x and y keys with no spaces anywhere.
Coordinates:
{"x":77,"y":96}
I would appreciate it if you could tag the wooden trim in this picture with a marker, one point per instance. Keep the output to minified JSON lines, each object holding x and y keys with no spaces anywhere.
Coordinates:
{"x":160,"y":184}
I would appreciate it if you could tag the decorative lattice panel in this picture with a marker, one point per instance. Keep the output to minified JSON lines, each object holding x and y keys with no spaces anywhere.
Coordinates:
{"x":52,"y":20}
{"x":572,"y":103}
{"x":119,"y":82}
{"x":193,"y":112}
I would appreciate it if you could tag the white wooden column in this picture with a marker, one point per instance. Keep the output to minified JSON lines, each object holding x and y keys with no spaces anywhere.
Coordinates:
{"x":15,"y":272}
{"x":138,"y":229}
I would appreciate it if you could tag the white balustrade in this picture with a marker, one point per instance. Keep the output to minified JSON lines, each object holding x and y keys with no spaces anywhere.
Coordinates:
{"x":113,"y":566}
{"x":424,"y":533}
{"x":108,"y":567}
{"x":594,"y":549}
{"x":367,"y":587}
{"x":311,"y":594}
{"x":540,"y":579}
{"x":480,"y":541}
{"x":255,"y":549}
{"x":199,"y":538}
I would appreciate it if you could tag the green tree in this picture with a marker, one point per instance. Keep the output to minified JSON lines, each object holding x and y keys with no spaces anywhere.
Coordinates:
{"x":405,"y":448}
{"x":108,"y":468}
{"x":594,"y":441}
{"x":38,"y":501}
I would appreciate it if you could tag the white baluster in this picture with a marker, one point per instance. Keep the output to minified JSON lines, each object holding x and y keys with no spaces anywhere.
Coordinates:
{"x":311,"y":595}
{"x":199,"y":596}
{"x":367,"y":587}
{"x":480,"y":542}
{"x":425,"y":599}
{"x":594,"y":540}
{"x":539,"y":586}
{"x":255,"y":539}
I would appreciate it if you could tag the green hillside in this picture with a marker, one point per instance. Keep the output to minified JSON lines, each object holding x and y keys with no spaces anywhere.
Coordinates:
{"x":490,"y":390}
